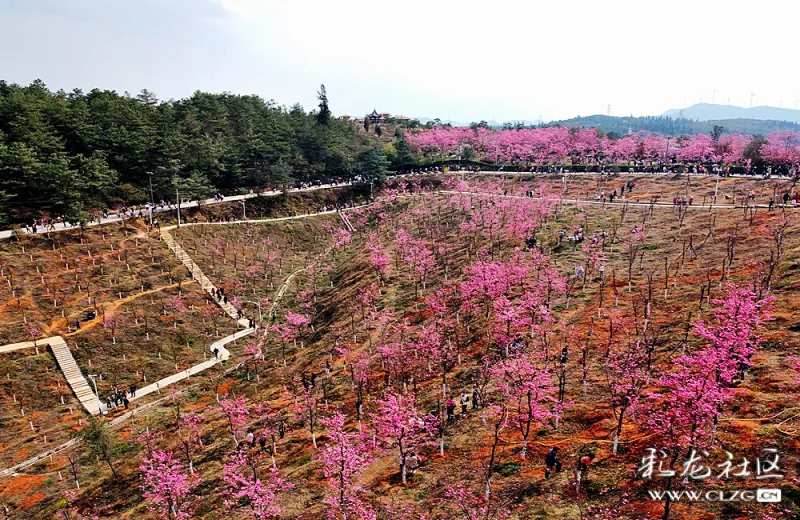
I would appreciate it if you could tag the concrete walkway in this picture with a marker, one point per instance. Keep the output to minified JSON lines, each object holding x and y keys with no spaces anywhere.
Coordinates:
{"x":67,"y":364}
{"x":616,"y":203}
{"x":185,"y":205}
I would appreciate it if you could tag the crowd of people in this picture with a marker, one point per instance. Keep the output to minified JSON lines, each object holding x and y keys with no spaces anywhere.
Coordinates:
{"x":121,"y":397}
{"x":638,"y":166}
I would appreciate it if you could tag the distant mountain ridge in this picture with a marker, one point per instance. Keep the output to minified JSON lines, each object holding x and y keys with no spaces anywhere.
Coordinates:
{"x":700,"y":118}
{"x":709,"y":112}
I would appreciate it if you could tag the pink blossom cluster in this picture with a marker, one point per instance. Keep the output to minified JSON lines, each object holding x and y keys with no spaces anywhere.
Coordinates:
{"x":585,"y":145}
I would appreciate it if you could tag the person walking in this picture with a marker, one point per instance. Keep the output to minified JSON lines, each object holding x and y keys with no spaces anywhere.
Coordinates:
{"x":450,"y":408}
{"x":464,"y":403}
{"x":583,"y":469}
{"x":412,"y":463}
{"x":475,"y":398}
{"x":551,"y":461}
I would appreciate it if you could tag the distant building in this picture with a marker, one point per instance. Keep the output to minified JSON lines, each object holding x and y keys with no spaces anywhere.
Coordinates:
{"x":375,"y":117}
{"x":345,"y":117}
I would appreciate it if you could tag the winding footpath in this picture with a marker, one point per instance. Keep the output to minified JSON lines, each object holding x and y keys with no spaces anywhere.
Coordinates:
{"x":90,"y":401}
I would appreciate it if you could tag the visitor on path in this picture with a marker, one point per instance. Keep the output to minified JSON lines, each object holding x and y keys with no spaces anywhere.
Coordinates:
{"x":475,"y":398}
{"x":603,"y":271}
{"x":551,"y":461}
{"x":412,"y":463}
{"x":450,"y":408}
{"x":771,"y":204}
{"x":583,"y":469}
{"x":216,"y":353}
{"x":464,"y":403}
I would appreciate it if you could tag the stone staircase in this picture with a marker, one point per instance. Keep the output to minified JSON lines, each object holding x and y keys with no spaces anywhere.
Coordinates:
{"x":198,"y":275}
{"x":347,"y":223}
{"x":74,"y":375}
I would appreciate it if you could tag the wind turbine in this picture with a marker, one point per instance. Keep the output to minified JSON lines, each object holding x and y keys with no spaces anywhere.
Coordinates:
{"x":713,"y":95}
{"x":752,"y":95}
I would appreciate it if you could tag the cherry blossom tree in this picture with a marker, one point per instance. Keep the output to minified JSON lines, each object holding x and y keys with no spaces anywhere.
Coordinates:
{"x":236,"y":412}
{"x":731,"y":331}
{"x":378,"y":257}
{"x":626,"y":372}
{"x":782,"y":147}
{"x":168,"y":486}
{"x":249,"y":489}
{"x":34,"y":333}
{"x":528,"y":389}
{"x":306,"y":409}
{"x":469,"y":505}
{"x":401,"y":427}
{"x":189,"y":433}
{"x":344,"y":458}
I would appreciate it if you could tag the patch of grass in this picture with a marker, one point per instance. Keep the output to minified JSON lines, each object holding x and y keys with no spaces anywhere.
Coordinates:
{"x":302,"y":460}
{"x":508,"y":468}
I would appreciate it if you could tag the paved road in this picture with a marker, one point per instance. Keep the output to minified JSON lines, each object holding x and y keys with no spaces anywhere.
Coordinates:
{"x":193,"y":204}
{"x":618,"y":202}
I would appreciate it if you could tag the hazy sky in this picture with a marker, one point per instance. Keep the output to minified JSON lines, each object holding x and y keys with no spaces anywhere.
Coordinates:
{"x":459,"y":60}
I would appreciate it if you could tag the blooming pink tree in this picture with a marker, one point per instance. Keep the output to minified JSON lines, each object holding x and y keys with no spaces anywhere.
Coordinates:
{"x":401,"y":427}
{"x":235,"y":411}
{"x":626,"y":372}
{"x":437,"y":350}
{"x":468,"y":504}
{"x":254,"y":356}
{"x":421,"y":261}
{"x":112,"y":322}
{"x":731,"y":332}
{"x":378,"y":257}
{"x":782,"y":147}
{"x":344,"y":458}
{"x":249,"y":489}
{"x":189,"y":424}
{"x":165,"y":483}
{"x":34,"y":333}
{"x":529,"y":391}
{"x":306,"y":409}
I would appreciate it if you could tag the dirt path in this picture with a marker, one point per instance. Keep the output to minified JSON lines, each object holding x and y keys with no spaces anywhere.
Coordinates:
{"x":110,"y":306}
